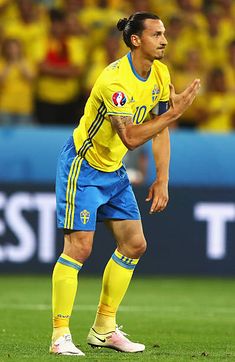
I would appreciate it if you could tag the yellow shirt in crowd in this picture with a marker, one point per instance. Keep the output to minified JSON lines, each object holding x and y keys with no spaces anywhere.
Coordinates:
{"x":16,"y":92}
{"x":61,"y":90}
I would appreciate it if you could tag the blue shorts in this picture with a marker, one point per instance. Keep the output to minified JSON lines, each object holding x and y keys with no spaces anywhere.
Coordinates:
{"x":85,"y":195}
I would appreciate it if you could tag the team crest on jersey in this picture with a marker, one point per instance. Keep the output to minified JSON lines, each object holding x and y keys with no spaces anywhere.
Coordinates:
{"x":84,"y":216}
{"x":155,"y":92}
{"x":119,"y":99}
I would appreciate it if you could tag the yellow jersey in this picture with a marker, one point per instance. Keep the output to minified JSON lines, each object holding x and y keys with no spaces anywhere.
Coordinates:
{"x":16,"y":92}
{"x":119,"y":90}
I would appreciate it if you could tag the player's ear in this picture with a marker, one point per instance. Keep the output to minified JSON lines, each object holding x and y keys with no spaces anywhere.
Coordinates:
{"x":135,"y":39}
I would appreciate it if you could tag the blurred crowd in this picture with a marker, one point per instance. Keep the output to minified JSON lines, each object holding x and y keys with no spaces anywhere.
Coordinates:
{"x":53,"y":51}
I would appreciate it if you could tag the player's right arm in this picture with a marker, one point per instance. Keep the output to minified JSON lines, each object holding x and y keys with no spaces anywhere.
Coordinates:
{"x":133,"y":136}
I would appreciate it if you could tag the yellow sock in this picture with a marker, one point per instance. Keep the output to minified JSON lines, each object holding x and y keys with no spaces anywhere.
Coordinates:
{"x":64,"y":288}
{"x":116,"y":279}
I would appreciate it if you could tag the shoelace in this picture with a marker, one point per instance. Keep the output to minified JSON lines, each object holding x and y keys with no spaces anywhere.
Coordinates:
{"x":119,"y":330}
{"x":66,"y":339}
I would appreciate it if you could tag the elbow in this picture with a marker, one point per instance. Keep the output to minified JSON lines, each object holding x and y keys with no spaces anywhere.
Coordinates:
{"x":129,"y":139}
{"x":130,"y":144}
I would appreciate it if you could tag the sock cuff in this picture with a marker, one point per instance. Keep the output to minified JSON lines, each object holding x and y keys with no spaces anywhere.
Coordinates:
{"x":68,"y":261}
{"x":125,"y":262}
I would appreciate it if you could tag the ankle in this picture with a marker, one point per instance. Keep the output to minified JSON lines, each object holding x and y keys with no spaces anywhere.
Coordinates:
{"x":104,"y":324}
{"x":59,"y":332}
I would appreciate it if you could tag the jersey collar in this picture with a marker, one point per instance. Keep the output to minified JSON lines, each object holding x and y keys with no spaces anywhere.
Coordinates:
{"x":134,"y":71}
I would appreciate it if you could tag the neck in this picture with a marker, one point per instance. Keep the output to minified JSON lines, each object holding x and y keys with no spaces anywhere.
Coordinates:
{"x":141,"y":64}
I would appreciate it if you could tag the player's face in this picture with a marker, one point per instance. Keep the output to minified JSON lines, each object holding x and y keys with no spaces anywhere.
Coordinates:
{"x":152,"y":39}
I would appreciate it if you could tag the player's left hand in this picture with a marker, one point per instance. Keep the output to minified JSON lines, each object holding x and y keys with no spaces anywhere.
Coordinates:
{"x":158,"y":193}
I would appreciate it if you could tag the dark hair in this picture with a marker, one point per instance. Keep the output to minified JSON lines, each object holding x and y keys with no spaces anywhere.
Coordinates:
{"x":134,"y":25}
{"x":56,"y":15}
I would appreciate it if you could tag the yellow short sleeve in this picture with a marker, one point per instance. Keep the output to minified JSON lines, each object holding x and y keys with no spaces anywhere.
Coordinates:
{"x":116,"y":100}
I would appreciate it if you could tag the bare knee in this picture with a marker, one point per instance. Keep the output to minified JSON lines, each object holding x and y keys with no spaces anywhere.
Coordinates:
{"x":134,"y":249}
{"x":140,"y":248}
{"x":78,"y":245}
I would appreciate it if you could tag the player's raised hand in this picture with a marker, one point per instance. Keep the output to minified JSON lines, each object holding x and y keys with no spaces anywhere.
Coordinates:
{"x":158,"y":193}
{"x":179,"y":103}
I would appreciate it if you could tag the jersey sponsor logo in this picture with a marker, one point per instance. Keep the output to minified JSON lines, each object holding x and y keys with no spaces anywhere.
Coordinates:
{"x":84,"y":216}
{"x":119,"y":99}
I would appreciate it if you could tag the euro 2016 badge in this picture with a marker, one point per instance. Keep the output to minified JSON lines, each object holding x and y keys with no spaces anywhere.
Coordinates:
{"x":119,"y":99}
{"x":84,"y":216}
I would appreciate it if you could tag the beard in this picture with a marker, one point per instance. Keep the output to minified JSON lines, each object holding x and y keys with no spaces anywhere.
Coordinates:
{"x":161,"y":54}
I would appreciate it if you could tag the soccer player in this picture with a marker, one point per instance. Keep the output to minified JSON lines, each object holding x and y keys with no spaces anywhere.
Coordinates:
{"x":92,"y":184}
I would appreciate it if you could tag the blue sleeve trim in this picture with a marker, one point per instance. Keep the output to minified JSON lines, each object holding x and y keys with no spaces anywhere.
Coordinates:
{"x":69,"y":263}
{"x":123,"y":263}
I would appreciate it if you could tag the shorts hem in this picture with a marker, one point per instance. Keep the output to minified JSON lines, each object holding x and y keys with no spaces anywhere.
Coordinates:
{"x":118,"y":218}
{"x":75,"y":229}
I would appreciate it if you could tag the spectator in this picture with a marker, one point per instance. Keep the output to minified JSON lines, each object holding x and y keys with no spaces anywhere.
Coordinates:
{"x":215,"y":110}
{"x":165,"y":9}
{"x":139,"y":5}
{"x":198,"y":31}
{"x":97,"y":20}
{"x":103,"y":56}
{"x":16,"y":85}
{"x":229,"y":66}
{"x":191,"y":11}
{"x":180,"y":41}
{"x":29,"y":27}
{"x":215,"y":40}
{"x":192,"y":67}
{"x":8,"y":11}
{"x":62,"y":62}
{"x":72,"y":9}
{"x":227,"y":8}
{"x":121,"y":5}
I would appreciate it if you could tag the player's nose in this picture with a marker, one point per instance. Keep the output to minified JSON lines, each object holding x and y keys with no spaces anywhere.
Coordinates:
{"x":164,"y":40}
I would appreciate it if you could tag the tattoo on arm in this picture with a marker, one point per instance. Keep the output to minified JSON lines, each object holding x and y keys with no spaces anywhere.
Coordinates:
{"x":120,"y":122}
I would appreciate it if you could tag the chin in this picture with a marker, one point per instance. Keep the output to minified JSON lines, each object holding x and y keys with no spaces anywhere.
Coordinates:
{"x":159,"y":57}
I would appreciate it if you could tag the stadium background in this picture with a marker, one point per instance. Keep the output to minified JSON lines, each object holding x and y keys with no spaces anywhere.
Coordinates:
{"x":49,"y":61}
{"x":51,"y":54}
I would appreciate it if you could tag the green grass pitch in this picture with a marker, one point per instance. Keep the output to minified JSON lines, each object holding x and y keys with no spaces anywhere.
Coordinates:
{"x":179,"y":319}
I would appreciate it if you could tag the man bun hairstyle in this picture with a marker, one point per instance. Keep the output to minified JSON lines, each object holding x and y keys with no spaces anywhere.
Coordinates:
{"x":134,"y":25}
{"x":122,"y":23}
